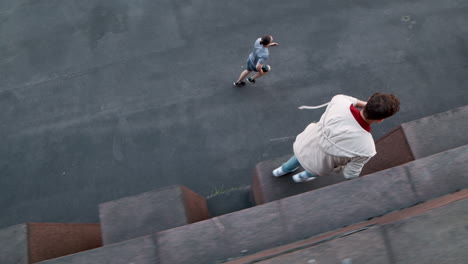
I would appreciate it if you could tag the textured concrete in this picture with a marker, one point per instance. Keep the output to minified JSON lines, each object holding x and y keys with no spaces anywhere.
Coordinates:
{"x":403,"y":242}
{"x":440,"y":174}
{"x":115,"y":98}
{"x":14,"y":245}
{"x":230,"y":201}
{"x":202,"y":242}
{"x":364,"y":247}
{"x":342,"y":204}
{"x":267,"y":188}
{"x":150,"y":212}
{"x":322,"y":238}
{"x":438,"y":236}
{"x":437,"y":133}
{"x":136,"y":251}
{"x":35,"y":242}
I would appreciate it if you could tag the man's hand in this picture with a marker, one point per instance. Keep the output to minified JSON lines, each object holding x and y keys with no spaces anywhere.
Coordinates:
{"x":361,"y":104}
{"x":273,"y":44}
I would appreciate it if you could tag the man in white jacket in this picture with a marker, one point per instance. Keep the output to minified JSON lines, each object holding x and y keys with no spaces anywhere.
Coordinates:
{"x":341,"y":140}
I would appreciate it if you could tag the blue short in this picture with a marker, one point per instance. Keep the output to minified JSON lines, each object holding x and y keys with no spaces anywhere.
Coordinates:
{"x":250,"y":66}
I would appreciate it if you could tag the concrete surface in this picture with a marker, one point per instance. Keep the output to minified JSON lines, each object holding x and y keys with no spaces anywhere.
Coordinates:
{"x":364,"y":247}
{"x":323,"y":238}
{"x":437,"y":133}
{"x":439,"y":174}
{"x":150,"y":212}
{"x":403,"y":242}
{"x":14,"y":245}
{"x":446,"y":242}
{"x":141,"y":250}
{"x":104,"y":99}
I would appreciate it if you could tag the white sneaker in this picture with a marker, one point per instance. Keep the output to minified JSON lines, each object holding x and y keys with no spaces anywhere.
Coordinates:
{"x":278,"y":172}
{"x":302,"y":177}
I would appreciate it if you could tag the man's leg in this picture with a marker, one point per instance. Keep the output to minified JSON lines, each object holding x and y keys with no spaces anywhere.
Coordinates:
{"x":243,"y":75}
{"x":266,"y":69}
{"x":303,"y":177}
{"x":256,"y":76}
{"x":289,"y":166}
{"x":240,"y":82}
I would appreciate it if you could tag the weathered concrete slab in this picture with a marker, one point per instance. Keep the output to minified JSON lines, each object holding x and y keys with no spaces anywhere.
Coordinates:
{"x":437,"y":133}
{"x":367,"y":246}
{"x":346,"y":203}
{"x":267,"y":188}
{"x":231,"y":201}
{"x":14,"y":245}
{"x":150,"y":212}
{"x":438,"y":236}
{"x":254,"y":230}
{"x":35,"y":242}
{"x":439,"y":174}
{"x":406,"y":241}
{"x":141,"y":250}
{"x":202,"y":242}
{"x":323,"y":238}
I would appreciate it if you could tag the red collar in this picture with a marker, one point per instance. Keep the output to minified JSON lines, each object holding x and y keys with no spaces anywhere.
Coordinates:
{"x":359,"y":119}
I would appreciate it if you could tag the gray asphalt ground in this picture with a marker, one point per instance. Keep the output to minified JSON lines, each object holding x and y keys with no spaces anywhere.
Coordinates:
{"x":105,"y":99}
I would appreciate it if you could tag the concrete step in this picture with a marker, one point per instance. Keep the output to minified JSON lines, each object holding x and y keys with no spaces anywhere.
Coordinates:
{"x":150,"y":212}
{"x":437,"y":236}
{"x":294,"y":218}
{"x":401,"y":145}
{"x":407,"y":213}
{"x":33,"y":242}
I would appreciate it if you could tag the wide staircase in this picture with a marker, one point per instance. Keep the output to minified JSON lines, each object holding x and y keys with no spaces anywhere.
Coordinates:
{"x":410,"y":206}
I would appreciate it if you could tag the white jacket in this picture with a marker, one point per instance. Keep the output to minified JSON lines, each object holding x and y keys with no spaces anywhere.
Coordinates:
{"x":336,"y":140}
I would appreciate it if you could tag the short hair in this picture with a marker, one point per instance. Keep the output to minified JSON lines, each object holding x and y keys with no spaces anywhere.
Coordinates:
{"x":380,"y":106}
{"x":265,"y":40}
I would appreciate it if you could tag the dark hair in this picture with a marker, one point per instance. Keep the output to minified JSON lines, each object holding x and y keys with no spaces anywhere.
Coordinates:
{"x":265,"y":40}
{"x":380,"y":106}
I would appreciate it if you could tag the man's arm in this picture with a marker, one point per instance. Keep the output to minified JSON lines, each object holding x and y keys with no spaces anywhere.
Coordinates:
{"x":353,"y":168}
{"x":272,"y":44}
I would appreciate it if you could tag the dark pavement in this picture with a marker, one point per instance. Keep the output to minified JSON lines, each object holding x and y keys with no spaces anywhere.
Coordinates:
{"x":105,"y":99}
